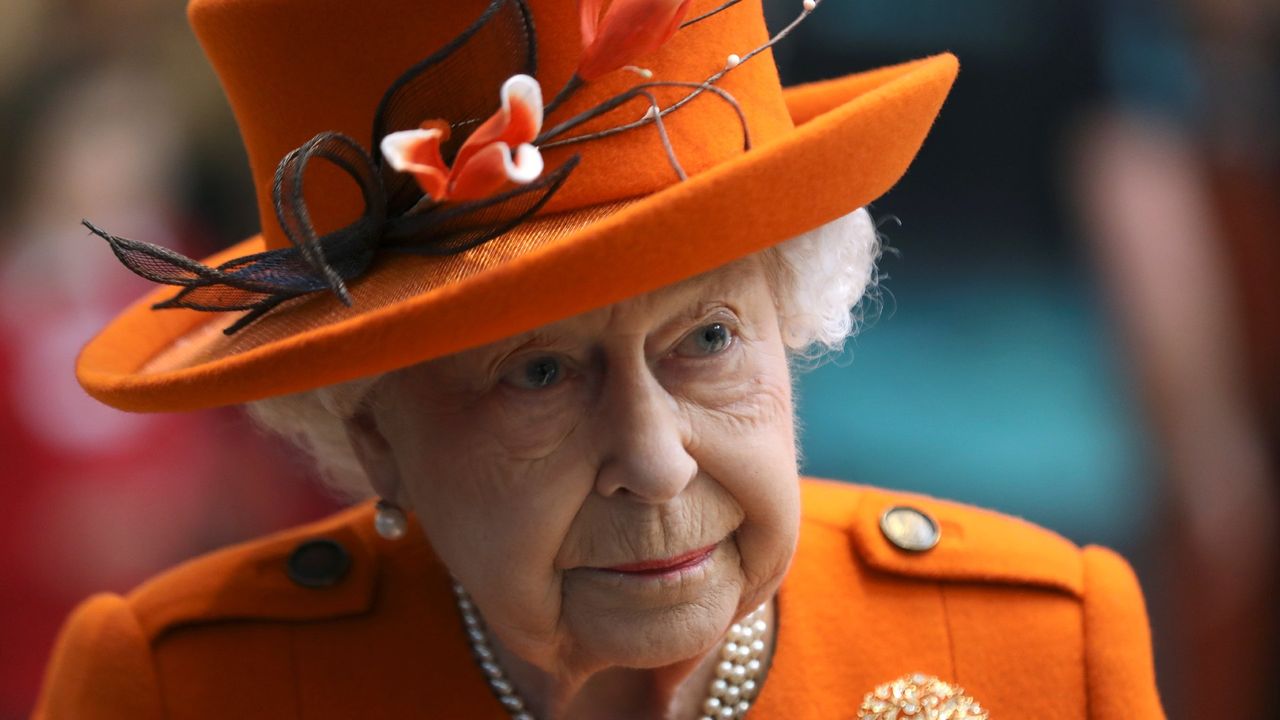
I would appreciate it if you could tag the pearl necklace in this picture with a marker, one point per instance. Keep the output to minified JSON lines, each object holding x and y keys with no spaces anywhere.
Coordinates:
{"x":729,"y":695}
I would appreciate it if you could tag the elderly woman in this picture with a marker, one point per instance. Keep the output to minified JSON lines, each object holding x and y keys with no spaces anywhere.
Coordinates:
{"x":553,"y":337}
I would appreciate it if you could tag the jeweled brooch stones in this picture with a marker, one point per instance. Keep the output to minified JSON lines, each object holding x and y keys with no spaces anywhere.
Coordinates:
{"x":920,"y":697}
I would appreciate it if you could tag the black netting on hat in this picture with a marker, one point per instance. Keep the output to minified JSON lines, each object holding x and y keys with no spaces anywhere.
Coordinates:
{"x":458,"y":84}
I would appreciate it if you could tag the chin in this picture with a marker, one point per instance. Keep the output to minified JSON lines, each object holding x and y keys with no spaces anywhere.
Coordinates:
{"x":653,"y":637}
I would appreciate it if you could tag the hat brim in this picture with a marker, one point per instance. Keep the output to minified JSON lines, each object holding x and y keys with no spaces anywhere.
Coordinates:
{"x":854,"y":138}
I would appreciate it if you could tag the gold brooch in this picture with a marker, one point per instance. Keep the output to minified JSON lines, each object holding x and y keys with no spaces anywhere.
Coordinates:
{"x":920,"y":697}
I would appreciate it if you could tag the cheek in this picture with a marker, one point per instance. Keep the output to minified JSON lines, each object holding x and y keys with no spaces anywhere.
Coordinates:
{"x":531,"y":425}
{"x":746,"y":443}
{"x":497,"y":521}
{"x":749,"y":411}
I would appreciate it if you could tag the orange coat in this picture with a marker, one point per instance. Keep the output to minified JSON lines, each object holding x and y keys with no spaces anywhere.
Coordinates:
{"x":1030,"y":625}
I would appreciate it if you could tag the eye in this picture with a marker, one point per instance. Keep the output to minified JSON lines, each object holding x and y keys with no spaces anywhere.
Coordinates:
{"x":536,"y":374}
{"x":707,"y":340}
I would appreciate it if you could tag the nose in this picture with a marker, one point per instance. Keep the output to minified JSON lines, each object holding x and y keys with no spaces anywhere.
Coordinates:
{"x":644,"y":438}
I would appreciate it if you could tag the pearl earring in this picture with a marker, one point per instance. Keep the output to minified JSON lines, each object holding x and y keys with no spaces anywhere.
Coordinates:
{"x":389,"y":520}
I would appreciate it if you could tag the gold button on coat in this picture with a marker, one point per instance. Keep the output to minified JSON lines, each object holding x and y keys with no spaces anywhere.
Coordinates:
{"x":910,"y":529}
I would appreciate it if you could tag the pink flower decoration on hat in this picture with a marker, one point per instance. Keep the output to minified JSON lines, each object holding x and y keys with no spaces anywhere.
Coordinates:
{"x":615,"y":35}
{"x":496,"y":153}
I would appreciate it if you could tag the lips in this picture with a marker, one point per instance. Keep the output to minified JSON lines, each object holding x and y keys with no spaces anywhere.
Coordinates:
{"x":665,"y":565}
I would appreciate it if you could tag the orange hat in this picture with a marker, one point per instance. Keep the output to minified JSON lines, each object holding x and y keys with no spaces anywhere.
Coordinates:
{"x":475,"y":210}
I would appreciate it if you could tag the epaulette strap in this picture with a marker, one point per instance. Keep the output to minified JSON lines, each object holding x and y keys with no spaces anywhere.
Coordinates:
{"x":266,"y":579}
{"x":971,"y":544}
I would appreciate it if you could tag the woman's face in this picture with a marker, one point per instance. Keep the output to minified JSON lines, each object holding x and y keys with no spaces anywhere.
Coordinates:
{"x":545,"y":468}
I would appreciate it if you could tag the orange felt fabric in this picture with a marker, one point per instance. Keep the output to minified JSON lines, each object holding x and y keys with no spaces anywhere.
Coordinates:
{"x":104,"y":668}
{"x":1011,"y":643}
{"x":389,"y":643}
{"x":234,"y":585}
{"x":980,"y":545}
{"x":860,"y":146}
{"x":293,"y":68}
{"x":1118,"y":640}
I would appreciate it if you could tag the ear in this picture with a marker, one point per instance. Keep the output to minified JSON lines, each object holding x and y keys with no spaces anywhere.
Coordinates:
{"x":374,"y":454}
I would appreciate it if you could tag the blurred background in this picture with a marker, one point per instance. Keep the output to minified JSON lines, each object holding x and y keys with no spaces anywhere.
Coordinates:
{"x":1079,"y":321}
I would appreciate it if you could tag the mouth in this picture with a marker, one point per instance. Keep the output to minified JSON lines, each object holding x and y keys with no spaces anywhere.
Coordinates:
{"x":665,"y":566}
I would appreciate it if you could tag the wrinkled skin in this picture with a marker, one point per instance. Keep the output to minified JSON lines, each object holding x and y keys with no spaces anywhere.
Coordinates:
{"x":639,"y":431}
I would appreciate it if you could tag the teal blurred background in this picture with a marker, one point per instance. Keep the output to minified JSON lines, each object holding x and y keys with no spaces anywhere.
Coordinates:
{"x":1007,"y":395}
{"x":991,"y":371}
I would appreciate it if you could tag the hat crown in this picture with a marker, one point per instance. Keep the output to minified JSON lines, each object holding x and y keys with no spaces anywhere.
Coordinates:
{"x":295,"y":68}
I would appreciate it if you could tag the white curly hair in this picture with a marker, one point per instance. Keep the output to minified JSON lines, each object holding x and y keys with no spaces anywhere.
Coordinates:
{"x":824,"y":283}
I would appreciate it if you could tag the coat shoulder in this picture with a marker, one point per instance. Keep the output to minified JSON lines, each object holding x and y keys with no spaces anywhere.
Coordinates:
{"x":104,"y":664}
{"x":1007,"y":593}
{"x":918,"y":536}
{"x":101,"y":667}
{"x":321,"y":570}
